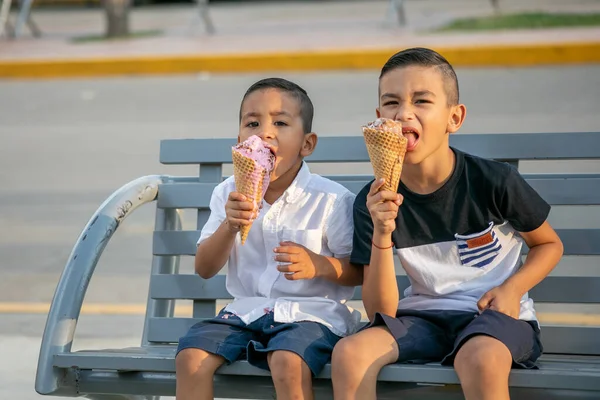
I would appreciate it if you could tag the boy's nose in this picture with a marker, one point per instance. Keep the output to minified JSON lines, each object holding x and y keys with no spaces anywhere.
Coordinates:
{"x":404,"y":113}
{"x":267,"y":134}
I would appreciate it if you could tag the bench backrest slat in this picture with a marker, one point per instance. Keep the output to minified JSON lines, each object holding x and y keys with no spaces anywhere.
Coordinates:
{"x":556,"y":339}
{"x":558,"y":189}
{"x":563,"y":190}
{"x":168,"y":243}
{"x":555,"y":146}
{"x":553,"y":289}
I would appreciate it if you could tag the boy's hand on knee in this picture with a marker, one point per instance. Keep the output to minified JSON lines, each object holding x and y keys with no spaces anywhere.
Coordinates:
{"x":503,"y":299}
{"x":383,"y":207}
{"x":239,"y":211}
{"x":301,"y":263}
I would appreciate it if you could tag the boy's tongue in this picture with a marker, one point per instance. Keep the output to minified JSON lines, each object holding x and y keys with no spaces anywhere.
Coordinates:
{"x":412,"y":140}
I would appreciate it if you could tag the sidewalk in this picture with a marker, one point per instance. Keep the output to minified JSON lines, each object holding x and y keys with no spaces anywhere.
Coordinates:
{"x":288,"y":36}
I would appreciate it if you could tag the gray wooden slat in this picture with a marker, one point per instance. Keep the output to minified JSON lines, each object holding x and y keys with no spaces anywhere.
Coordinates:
{"x":555,"y":189}
{"x":168,"y":243}
{"x":568,"y":190}
{"x":497,"y":146}
{"x":582,"y":340}
{"x":185,"y":195}
{"x":553,"y":374}
{"x":188,"y":287}
{"x":580,"y":241}
{"x":175,"y":242}
{"x":553,"y":289}
{"x":555,"y":339}
{"x":553,"y":381}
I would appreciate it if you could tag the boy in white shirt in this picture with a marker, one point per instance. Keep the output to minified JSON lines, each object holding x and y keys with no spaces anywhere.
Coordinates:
{"x":292,"y":278}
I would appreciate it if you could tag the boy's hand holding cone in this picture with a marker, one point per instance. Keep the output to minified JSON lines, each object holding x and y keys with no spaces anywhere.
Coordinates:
{"x":253,"y":162}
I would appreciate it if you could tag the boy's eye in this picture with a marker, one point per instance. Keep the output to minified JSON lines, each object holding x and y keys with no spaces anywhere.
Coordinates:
{"x":422,"y":101}
{"x":280,"y":123}
{"x":390,"y":103}
{"x":252,"y":124}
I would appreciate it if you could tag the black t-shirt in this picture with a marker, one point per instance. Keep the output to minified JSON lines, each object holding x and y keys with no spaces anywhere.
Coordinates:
{"x":449,"y":241}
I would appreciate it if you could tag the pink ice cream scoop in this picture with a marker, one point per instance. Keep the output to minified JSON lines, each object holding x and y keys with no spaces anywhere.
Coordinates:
{"x":253,"y":162}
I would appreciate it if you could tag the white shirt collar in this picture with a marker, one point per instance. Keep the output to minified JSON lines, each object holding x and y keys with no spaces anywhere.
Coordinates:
{"x":299,"y":185}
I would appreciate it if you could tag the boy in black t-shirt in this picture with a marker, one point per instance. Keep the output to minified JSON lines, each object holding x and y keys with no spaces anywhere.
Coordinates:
{"x":457,"y":224}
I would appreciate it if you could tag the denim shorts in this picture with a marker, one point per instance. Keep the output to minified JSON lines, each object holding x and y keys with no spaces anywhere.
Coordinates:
{"x":228,"y":336}
{"x":437,"y":335}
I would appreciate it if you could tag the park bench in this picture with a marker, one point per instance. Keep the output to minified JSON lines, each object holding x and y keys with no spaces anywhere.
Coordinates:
{"x":569,"y":368}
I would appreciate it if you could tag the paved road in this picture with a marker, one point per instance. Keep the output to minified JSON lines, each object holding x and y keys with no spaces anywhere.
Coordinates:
{"x":66,"y":145}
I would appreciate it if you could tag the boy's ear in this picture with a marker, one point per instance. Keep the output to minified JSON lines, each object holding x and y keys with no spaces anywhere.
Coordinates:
{"x":457,"y":117}
{"x":309,"y":144}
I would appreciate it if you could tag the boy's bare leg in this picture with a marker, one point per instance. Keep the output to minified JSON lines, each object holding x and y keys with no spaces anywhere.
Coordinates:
{"x":195,"y":370}
{"x":357,"y":360}
{"x":291,"y":376}
{"x":483,"y":365}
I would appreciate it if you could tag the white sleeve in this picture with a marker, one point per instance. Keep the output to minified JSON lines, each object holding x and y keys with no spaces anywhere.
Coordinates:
{"x":217,"y":211}
{"x":340,"y":227}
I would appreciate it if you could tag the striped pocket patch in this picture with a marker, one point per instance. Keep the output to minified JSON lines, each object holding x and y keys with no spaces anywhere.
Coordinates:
{"x":478,"y":249}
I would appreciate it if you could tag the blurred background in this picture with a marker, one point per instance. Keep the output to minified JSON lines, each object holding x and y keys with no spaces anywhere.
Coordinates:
{"x":80,"y":116}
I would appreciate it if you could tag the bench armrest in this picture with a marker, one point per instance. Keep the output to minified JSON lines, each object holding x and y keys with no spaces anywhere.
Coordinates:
{"x":74,"y":281}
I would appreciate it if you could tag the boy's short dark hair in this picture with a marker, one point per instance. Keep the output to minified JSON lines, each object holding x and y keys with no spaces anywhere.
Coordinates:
{"x":423,"y":57}
{"x":306,"y":106}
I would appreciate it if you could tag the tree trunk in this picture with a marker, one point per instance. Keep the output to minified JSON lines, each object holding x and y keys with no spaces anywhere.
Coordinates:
{"x":117,"y":17}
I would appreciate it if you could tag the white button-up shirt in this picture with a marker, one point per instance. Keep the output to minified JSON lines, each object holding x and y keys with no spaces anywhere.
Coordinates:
{"x":314,"y":212}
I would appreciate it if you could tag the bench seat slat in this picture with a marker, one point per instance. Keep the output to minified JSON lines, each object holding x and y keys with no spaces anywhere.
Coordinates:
{"x":553,"y":289}
{"x":556,"y":339}
{"x":167,"y":243}
{"x":554,"y":373}
{"x":525,"y":146}
{"x":556,"y":190}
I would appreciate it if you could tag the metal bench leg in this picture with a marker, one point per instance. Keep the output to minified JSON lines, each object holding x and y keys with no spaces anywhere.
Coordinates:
{"x":397,"y":7}
{"x":205,"y":16}
{"x":24,"y":17}
{"x":5,"y":28}
{"x":35,"y":31}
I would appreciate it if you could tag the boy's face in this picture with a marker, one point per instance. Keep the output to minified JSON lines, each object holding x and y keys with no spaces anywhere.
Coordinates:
{"x":416,"y":96}
{"x":274,"y":116}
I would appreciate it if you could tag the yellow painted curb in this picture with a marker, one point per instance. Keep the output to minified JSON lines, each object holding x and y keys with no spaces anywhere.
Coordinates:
{"x":185,"y":310}
{"x":483,"y":56}
{"x":89,"y":309}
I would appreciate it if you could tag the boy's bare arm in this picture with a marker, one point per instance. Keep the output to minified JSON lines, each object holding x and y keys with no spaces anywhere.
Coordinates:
{"x":339,"y":270}
{"x":545,"y":251}
{"x":213,"y":253}
{"x":380,"y":291}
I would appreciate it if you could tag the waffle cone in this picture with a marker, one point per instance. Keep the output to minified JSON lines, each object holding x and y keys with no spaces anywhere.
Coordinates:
{"x":386,"y":150}
{"x":249,"y":178}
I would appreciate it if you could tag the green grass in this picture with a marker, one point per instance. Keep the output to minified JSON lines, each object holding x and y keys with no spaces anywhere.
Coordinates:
{"x":102,"y":38}
{"x":523,"y":21}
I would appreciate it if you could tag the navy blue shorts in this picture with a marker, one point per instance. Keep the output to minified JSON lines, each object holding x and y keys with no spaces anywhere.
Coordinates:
{"x":228,"y":336}
{"x":437,"y":335}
